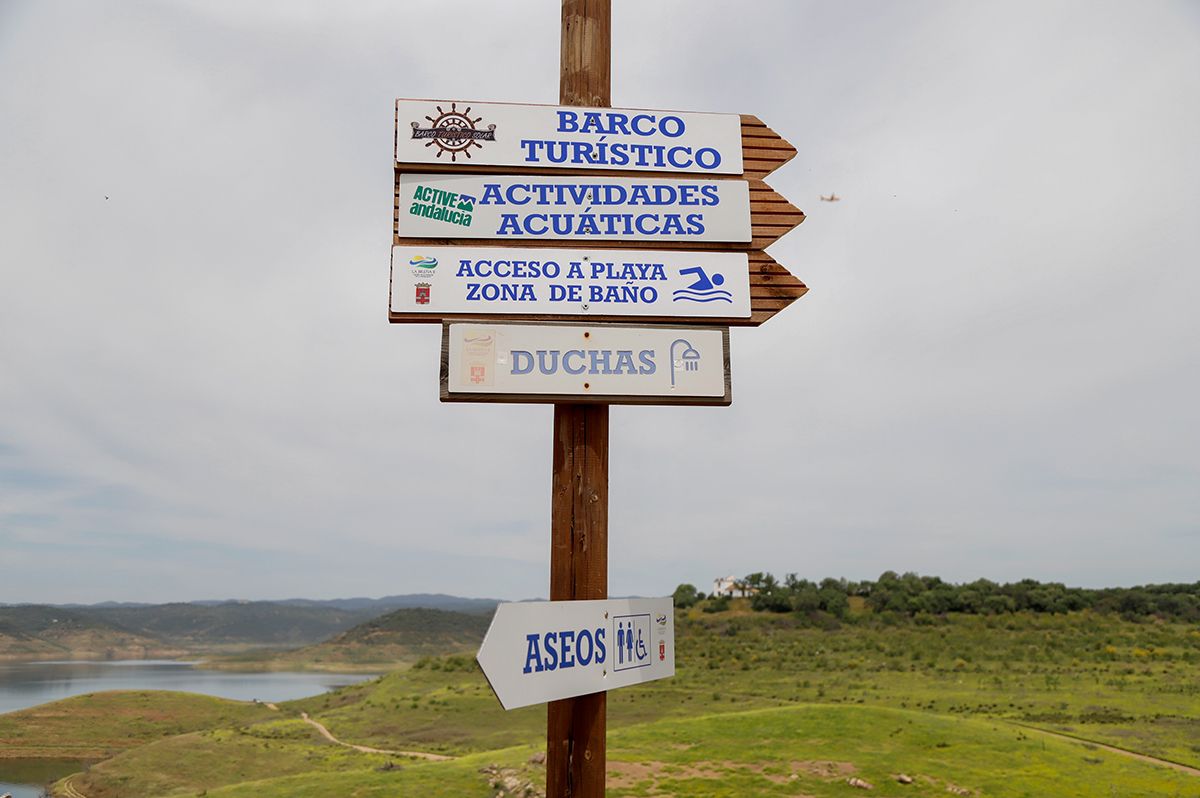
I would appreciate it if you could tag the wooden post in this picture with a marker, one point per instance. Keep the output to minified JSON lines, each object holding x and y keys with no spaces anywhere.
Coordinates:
{"x":576,"y":727}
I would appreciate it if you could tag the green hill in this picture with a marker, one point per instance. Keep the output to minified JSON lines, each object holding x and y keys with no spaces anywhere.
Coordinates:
{"x":98,"y":725}
{"x":398,"y":638}
{"x":1014,"y":705}
{"x":40,"y":632}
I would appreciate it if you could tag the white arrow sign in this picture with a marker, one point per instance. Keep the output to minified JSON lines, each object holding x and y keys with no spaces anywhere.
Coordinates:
{"x":563,"y":137}
{"x":522,"y":208}
{"x":546,"y":650}
{"x":569,"y":282}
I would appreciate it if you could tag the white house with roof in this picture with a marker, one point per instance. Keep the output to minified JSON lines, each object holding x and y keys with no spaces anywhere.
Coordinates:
{"x":725,"y":585}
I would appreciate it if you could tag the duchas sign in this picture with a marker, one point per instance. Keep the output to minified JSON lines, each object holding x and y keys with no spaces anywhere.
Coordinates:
{"x":496,"y":134}
{"x":582,"y":362}
{"x":580,"y":282}
{"x":525,"y":207}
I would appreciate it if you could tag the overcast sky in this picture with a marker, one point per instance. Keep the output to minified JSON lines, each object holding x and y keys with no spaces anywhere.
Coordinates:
{"x":996,"y":372}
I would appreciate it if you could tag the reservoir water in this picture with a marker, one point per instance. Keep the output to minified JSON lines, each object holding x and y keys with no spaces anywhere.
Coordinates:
{"x":27,"y":684}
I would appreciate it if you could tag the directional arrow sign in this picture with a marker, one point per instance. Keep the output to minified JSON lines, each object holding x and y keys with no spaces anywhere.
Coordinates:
{"x":431,"y":284}
{"x":564,"y":137}
{"x":521,"y":208}
{"x":461,"y":135}
{"x":531,"y":210}
{"x":546,"y":650}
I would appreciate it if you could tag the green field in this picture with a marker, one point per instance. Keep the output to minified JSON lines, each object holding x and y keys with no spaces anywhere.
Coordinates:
{"x":762,"y":704}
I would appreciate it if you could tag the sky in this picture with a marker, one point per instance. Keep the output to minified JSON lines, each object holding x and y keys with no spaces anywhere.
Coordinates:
{"x":996,"y":372}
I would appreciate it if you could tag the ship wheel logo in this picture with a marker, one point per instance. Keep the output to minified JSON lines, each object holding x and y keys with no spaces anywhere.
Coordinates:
{"x":453,"y":132}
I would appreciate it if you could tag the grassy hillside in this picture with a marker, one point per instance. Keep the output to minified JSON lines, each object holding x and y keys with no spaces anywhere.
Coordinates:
{"x":101,"y":724}
{"x":39,"y":632}
{"x":798,"y":750}
{"x":398,"y":638}
{"x":761,"y":705}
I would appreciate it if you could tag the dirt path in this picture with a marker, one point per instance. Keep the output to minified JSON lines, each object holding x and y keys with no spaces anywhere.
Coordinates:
{"x":68,"y":788}
{"x":1112,"y":749}
{"x":367,"y":749}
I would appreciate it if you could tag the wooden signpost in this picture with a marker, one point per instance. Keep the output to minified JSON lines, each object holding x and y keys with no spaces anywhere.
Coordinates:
{"x":583,"y":256}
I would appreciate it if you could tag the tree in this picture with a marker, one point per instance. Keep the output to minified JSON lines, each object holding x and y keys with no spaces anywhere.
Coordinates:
{"x":685,"y":596}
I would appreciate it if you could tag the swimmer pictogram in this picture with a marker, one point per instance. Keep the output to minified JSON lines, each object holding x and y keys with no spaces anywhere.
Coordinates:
{"x":704,"y":289}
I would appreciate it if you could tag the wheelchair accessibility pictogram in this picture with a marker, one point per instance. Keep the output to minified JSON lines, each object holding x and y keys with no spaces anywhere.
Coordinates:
{"x":632,"y":633}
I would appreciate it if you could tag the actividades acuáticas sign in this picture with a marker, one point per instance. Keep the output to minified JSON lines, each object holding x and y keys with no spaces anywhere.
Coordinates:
{"x":522,"y":208}
{"x":549,"y":136}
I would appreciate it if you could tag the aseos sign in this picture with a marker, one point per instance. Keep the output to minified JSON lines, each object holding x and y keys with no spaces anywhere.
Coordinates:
{"x":452,"y":281}
{"x":522,"y":208}
{"x":560,"y":137}
{"x":541,"y":651}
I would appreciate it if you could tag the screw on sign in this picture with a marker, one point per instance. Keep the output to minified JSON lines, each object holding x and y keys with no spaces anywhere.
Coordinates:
{"x":453,"y":131}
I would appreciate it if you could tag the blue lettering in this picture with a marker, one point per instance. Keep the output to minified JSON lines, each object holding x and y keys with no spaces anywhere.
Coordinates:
{"x":510,"y":194}
{"x":567,"y":362}
{"x":551,"y":662}
{"x":548,"y":366}
{"x":599,"y":356}
{"x":646,"y":356}
{"x":566,"y":638}
{"x":636,"y":121}
{"x":530,"y":146}
{"x":600,"y":652}
{"x":625,"y":362}
{"x":508,"y":225}
{"x":568,"y":122}
{"x":710,"y":155}
{"x":532,"y":654}
{"x":522,"y":363}
{"x":584,"y":634}
{"x":679,"y":164}
{"x":491,"y":195}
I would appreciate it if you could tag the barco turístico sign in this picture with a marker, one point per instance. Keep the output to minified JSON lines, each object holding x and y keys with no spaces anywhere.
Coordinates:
{"x":560,"y":137}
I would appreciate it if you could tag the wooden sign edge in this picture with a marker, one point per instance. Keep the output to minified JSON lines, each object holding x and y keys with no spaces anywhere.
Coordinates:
{"x":611,"y":399}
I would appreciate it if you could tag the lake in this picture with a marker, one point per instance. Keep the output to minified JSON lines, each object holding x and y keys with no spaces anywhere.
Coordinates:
{"x":27,"y":684}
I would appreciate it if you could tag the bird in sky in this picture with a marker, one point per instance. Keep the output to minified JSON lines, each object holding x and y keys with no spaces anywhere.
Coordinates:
{"x":831,"y":198}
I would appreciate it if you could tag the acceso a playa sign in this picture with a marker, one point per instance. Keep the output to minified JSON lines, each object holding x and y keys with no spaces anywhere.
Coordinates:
{"x":575,"y":282}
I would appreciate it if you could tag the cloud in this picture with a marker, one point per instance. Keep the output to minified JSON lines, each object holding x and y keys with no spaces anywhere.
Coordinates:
{"x":994,"y":373}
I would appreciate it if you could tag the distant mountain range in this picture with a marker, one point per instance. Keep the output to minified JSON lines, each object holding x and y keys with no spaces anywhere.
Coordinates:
{"x":433,"y":601}
{"x":120,"y":630}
